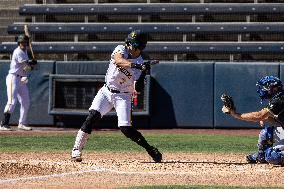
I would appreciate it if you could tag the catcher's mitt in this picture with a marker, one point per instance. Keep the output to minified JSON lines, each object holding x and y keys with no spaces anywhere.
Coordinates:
{"x":228,"y":104}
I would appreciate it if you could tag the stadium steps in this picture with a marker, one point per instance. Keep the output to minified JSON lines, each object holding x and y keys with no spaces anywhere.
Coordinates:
{"x":154,"y":1}
{"x":264,"y":31}
{"x":15,"y":3}
{"x":9,"y":13}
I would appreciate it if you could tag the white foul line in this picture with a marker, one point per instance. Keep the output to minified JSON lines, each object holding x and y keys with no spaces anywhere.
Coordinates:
{"x":52,"y":175}
{"x":93,"y":170}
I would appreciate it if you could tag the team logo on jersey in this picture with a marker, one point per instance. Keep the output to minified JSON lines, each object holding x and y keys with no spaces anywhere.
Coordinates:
{"x":125,"y":72}
{"x":133,"y":34}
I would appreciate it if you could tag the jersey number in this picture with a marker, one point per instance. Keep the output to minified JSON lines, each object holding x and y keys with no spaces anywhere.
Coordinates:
{"x":122,"y":81}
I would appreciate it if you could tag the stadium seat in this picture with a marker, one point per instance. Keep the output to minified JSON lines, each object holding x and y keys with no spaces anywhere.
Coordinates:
{"x":86,"y":28}
{"x":162,"y":47}
{"x":155,"y":8}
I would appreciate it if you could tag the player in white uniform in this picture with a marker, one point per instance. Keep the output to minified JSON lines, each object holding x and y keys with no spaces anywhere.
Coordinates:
{"x":16,"y":82}
{"x":126,"y":74}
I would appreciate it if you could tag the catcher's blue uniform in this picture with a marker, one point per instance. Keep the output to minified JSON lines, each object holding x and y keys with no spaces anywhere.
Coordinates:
{"x":271,"y":137}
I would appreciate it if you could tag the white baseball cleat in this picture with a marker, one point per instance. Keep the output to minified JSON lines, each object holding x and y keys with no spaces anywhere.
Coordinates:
{"x":5,"y":128}
{"x":76,"y":155}
{"x":24,"y":127}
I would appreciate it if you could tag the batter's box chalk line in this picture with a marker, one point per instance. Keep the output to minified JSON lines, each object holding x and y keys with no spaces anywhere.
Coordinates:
{"x":92,"y":169}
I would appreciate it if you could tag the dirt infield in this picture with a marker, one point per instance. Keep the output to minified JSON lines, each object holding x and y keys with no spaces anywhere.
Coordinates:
{"x":112,"y":170}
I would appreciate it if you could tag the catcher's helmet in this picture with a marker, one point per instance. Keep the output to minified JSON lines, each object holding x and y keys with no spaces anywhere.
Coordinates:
{"x":22,"y":39}
{"x":137,"y":39}
{"x":266,"y":84}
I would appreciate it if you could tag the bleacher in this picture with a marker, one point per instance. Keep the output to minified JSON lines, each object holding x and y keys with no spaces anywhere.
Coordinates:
{"x":198,"y":30}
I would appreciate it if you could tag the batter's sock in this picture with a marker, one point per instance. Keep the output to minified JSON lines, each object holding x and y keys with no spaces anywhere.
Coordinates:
{"x":81,"y":140}
{"x":6,"y":119}
{"x":142,"y":142}
{"x":135,"y":136}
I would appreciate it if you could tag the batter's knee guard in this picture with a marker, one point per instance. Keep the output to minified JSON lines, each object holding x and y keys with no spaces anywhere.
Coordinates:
{"x":90,"y":121}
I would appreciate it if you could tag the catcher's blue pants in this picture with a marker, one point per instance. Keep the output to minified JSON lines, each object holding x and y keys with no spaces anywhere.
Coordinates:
{"x":265,"y":150}
{"x":274,"y":156}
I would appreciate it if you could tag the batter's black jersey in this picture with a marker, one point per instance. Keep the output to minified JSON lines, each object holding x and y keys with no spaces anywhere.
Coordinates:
{"x":276,"y":107}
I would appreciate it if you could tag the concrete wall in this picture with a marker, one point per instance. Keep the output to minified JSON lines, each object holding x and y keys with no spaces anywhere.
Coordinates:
{"x":184,"y":94}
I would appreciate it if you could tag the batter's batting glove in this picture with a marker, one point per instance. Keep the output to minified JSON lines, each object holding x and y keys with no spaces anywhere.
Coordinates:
{"x":145,"y":66}
{"x":32,"y":62}
{"x":142,"y":67}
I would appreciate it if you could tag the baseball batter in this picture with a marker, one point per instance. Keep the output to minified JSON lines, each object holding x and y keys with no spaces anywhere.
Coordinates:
{"x":271,"y":137}
{"x":16,"y":82}
{"x":126,"y":74}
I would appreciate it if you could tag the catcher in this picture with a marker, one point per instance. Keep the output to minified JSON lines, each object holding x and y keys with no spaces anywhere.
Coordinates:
{"x":271,"y":118}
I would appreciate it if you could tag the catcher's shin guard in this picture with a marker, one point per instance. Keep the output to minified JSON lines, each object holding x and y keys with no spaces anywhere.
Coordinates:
{"x":80,"y":142}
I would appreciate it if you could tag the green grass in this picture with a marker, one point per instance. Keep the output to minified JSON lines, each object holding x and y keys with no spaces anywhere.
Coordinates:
{"x":117,"y":142}
{"x":200,"y":187}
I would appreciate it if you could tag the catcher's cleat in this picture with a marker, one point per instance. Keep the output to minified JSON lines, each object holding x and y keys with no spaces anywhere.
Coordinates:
{"x":155,"y":154}
{"x":5,"y":128}
{"x":76,"y":155}
{"x":24,"y":127}
{"x":252,"y":158}
{"x":256,"y":158}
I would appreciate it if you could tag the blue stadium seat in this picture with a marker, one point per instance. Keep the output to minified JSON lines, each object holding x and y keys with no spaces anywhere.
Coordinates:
{"x":150,"y":8}
{"x":83,"y":28}
{"x":161,"y":47}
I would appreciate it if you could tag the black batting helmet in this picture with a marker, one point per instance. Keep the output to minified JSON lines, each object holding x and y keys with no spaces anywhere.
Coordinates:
{"x":137,"y":39}
{"x":22,"y":39}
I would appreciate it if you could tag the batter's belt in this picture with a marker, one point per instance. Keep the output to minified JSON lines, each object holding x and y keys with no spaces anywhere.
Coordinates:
{"x":114,"y":90}
{"x":17,"y":75}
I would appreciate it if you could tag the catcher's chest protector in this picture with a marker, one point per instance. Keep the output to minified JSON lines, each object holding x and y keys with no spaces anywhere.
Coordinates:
{"x":276,"y":106}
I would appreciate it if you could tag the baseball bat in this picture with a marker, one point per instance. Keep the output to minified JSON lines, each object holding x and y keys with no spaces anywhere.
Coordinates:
{"x":27,"y":33}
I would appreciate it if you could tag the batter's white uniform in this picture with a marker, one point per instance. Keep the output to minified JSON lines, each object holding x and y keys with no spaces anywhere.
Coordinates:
{"x":17,"y":89}
{"x":121,"y":82}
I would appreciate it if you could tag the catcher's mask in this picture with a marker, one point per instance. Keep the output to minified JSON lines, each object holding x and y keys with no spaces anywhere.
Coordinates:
{"x":265,"y":86}
{"x":22,"y":39}
{"x":137,"y":39}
